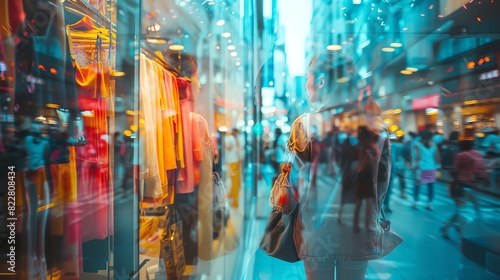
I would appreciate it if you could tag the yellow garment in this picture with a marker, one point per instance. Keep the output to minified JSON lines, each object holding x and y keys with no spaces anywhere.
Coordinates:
{"x":65,"y":191}
{"x":149,"y":149}
{"x":234,"y":169}
{"x":168,"y":112}
{"x":5,"y":31}
{"x":155,"y":79}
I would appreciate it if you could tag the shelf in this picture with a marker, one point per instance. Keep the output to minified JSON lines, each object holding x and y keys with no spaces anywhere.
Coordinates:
{"x":83,"y":8}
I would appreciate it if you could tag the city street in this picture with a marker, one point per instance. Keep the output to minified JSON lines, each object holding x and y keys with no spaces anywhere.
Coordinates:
{"x":424,"y":254}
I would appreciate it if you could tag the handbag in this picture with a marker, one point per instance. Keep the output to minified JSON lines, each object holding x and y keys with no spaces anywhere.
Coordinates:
{"x":278,"y":238}
{"x":225,"y":239}
{"x":172,"y":246}
{"x":389,"y":238}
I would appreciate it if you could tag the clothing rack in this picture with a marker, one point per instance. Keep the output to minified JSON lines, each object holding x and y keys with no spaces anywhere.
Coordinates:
{"x":151,"y":54}
{"x":83,"y":8}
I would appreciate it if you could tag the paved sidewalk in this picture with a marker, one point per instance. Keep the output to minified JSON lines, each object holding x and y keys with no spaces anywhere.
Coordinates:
{"x":423,"y":255}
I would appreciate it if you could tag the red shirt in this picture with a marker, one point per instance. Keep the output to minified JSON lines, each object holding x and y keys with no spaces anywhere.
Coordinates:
{"x":470,"y":166}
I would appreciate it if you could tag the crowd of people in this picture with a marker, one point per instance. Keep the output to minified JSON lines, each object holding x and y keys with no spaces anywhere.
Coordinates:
{"x":418,"y":160}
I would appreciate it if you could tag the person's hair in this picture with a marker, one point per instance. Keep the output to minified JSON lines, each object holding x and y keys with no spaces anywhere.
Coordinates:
{"x":454,"y":135}
{"x":426,"y":137}
{"x":184,"y":63}
{"x":466,"y":145}
{"x":367,"y":134}
{"x":331,"y":66}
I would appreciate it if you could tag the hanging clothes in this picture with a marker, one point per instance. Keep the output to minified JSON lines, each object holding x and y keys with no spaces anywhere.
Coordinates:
{"x":95,"y":187}
{"x":149,"y":149}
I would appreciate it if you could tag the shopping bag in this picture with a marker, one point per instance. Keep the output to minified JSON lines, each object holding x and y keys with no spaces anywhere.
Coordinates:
{"x":225,"y":237}
{"x":172,"y":248}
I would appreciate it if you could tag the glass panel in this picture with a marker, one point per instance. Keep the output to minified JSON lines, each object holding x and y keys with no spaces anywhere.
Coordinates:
{"x":149,"y":139}
{"x":59,"y":151}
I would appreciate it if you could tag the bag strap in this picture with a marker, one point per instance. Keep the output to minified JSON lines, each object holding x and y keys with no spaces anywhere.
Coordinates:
{"x":386,"y":224}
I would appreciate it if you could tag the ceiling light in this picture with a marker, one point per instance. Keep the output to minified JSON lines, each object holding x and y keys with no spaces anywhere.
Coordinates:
{"x":406,"y":72}
{"x":343,"y":80}
{"x":396,"y":45}
{"x":412,"y":69}
{"x":334,"y":47}
{"x":176,"y":47}
{"x":233,"y":53}
{"x":156,"y":40}
{"x":221,"y":22}
{"x":388,"y":49}
{"x":231,"y":47}
{"x":226,"y":34}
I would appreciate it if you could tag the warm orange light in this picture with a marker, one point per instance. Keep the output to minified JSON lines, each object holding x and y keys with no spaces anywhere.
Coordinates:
{"x":481,"y":61}
{"x":487,"y":59}
{"x":53,"y":71}
{"x":471,"y":65}
{"x":41,"y":67}
{"x":478,"y":19}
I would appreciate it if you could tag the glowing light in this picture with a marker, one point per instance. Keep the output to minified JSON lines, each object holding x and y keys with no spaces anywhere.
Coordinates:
{"x":51,"y":105}
{"x":394,"y":127}
{"x":388,"y":49}
{"x":478,"y":19}
{"x":221,"y":22}
{"x":343,"y":80}
{"x":53,"y":71}
{"x":334,"y":47}
{"x":471,"y":65}
{"x":470,"y":102}
{"x":233,"y":53}
{"x":231,"y":47}
{"x":156,"y":41}
{"x":127,"y":132}
{"x":129,"y":112}
{"x":412,"y":69}
{"x":176,"y":47}
{"x":117,"y":73}
{"x":406,"y":72}
{"x":133,"y":127}
{"x":226,"y":34}
{"x":396,"y":45}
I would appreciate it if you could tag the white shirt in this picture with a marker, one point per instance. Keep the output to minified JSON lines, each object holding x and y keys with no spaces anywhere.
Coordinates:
{"x":231,"y":151}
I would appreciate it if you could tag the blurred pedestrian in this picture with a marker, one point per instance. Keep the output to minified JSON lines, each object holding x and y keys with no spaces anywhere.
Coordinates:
{"x":232,"y":159}
{"x":426,"y":162}
{"x":470,"y":171}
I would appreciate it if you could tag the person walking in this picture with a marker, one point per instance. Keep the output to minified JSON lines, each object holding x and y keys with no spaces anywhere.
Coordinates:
{"x":470,"y":170}
{"x":232,"y":160}
{"x":427,"y":161}
{"x":330,"y":249}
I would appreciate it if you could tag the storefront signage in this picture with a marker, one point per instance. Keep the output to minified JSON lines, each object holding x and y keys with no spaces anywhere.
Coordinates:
{"x":431,"y":101}
{"x":488,"y":75}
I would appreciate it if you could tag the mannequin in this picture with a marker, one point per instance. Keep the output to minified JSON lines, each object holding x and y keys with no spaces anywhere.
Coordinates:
{"x":194,"y":188}
{"x":36,"y":191}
